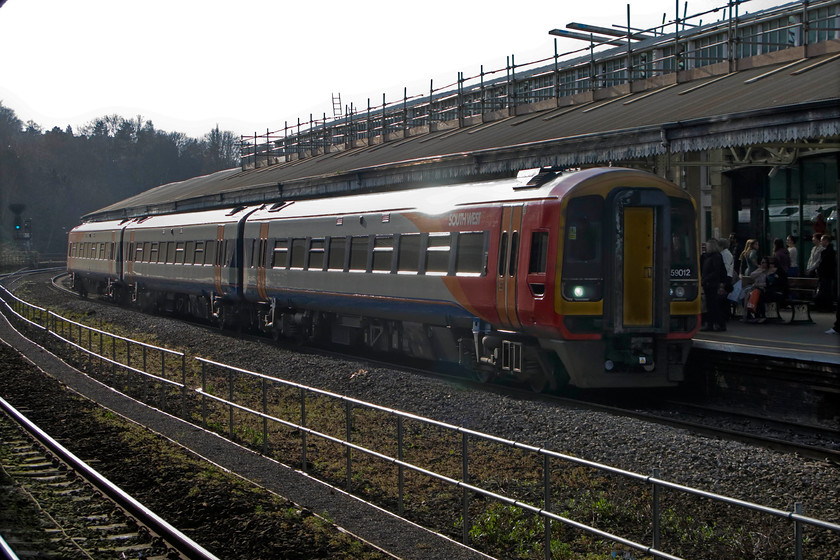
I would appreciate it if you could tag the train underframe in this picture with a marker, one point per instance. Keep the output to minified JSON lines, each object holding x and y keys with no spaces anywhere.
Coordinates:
{"x":490,"y":354}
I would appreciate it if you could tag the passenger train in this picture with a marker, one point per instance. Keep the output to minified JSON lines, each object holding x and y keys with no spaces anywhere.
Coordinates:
{"x":586,"y":277}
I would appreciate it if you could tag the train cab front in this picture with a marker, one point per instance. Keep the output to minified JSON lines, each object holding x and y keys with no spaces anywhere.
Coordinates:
{"x":627,"y":291}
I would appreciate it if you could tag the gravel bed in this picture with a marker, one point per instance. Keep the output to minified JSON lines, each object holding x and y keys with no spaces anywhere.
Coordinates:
{"x":734,"y":469}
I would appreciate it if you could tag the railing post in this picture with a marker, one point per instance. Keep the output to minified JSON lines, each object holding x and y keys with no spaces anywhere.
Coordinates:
{"x":656,"y":512}
{"x":465,"y":494}
{"x":303,"y":424}
{"x":184,"y":392}
{"x":163,"y":385}
{"x":797,"y":532}
{"x":400,"y":468}
{"x":230,"y":406}
{"x":265,"y":414}
{"x":348,"y":426}
{"x":547,"y":503}
{"x":204,"y":395}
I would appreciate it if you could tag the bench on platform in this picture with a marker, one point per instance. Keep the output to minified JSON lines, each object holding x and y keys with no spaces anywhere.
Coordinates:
{"x":799,"y":302}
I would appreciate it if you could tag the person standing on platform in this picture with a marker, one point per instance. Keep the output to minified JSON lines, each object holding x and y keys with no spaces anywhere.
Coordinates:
{"x":781,"y":254}
{"x":794,"y":256}
{"x":714,"y":282}
{"x":814,"y":259}
{"x":748,"y":261}
{"x":826,"y":275}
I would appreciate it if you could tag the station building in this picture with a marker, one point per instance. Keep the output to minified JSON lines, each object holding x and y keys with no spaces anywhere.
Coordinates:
{"x":743,"y":112}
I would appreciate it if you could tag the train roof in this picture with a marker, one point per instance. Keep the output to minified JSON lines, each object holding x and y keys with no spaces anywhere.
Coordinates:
{"x":208,"y":217}
{"x":534,"y":184}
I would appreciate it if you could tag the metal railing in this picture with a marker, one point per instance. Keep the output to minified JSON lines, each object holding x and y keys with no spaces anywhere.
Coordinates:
{"x":264,"y":410}
{"x":302,"y":424}
{"x":674,"y":46}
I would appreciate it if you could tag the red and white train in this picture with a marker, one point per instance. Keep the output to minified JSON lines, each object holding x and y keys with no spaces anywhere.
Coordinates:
{"x":588,"y":277}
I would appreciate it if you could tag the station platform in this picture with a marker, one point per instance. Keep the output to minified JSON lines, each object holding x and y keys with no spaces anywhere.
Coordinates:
{"x":802,"y":341}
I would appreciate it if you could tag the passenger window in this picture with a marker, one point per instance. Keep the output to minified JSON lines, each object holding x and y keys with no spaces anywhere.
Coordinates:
{"x":539,"y":252}
{"x":383,"y":252}
{"x":179,"y":253}
{"x":502,"y":253}
{"x":514,"y":253}
{"x":153,"y":252}
{"x":338,"y":250}
{"x":189,"y":252}
{"x":210,"y":253}
{"x":408,"y":255}
{"x":199,"y":253}
{"x":281,"y":253}
{"x":437,"y":253}
{"x":316,"y":254}
{"x":358,"y":254}
{"x":298,"y":257}
{"x":470,"y":255}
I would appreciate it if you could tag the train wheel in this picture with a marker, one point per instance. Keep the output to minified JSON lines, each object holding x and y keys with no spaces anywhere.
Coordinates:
{"x":221,"y":317}
{"x":483,"y":374}
{"x":538,"y":382}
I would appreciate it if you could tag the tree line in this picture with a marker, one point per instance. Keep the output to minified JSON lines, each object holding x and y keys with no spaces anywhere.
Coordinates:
{"x":61,"y":175}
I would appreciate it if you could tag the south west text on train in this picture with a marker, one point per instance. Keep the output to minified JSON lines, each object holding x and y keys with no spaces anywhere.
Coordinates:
{"x":587,"y":277}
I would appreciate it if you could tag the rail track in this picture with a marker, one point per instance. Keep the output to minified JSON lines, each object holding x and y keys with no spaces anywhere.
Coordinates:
{"x":60,"y":507}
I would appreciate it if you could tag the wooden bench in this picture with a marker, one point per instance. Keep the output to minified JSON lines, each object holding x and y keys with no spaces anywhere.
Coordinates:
{"x":799,"y":302}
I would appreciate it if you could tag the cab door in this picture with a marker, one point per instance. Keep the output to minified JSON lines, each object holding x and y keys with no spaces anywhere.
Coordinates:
{"x":640,"y":275}
{"x":509,"y":241}
{"x":638,"y":267}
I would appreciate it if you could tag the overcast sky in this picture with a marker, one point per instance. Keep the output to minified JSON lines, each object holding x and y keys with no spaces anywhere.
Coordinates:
{"x":249,"y":65}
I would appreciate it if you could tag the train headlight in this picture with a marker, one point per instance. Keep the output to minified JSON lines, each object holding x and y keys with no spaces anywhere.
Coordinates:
{"x":582,"y":291}
{"x":679,"y":292}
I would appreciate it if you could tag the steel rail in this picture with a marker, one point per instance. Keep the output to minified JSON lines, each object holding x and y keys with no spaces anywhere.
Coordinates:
{"x":186,"y":546}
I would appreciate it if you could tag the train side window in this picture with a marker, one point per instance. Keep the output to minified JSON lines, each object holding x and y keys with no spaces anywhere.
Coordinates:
{"x":189,"y":252}
{"x":503,"y":253}
{"x":71,"y":249}
{"x":298,"y":257}
{"x":210,"y":252}
{"x":408,"y":254}
{"x":153,"y":252}
{"x":539,"y":252}
{"x":383,"y":253}
{"x":179,"y":252}
{"x":198,"y":257}
{"x":514,"y":254}
{"x":338,"y":251}
{"x":359,"y":253}
{"x":470,"y":255}
{"x":316,"y":254}
{"x":281,"y":253}
{"x":437,"y":253}
{"x":683,"y":242}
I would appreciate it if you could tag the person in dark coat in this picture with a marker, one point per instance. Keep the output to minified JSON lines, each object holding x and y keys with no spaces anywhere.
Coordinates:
{"x":714,"y":281}
{"x":826,"y":275}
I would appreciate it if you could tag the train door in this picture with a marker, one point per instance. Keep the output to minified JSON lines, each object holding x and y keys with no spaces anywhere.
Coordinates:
{"x":640,"y":273}
{"x":261,"y":260}
{"x":218,"y":261}
{"x":509,"y":241}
